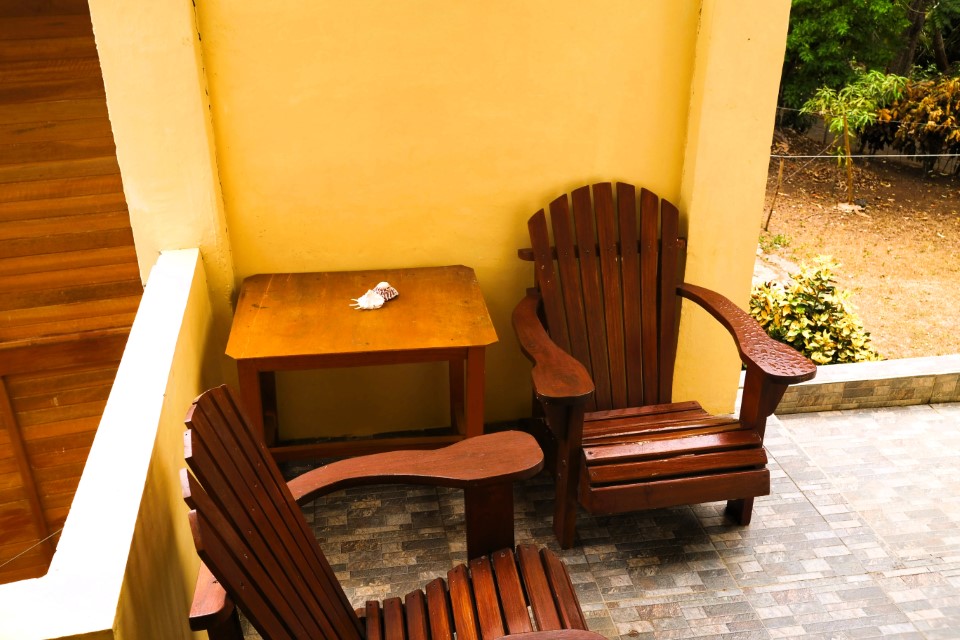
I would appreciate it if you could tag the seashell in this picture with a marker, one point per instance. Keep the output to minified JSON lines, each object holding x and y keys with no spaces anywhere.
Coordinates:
{"x":370,"y":300}
{"x":385,"y":290}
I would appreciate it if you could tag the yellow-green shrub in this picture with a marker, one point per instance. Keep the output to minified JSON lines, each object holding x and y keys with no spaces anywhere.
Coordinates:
{"x":814,"y":317}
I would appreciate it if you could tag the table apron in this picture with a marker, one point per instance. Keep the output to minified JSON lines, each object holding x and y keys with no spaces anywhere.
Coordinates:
{"x":334,"y":360}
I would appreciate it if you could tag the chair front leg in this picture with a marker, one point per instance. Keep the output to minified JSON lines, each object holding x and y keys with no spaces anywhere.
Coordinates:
{"x":760,"y":399}
{"x":566,"y":423}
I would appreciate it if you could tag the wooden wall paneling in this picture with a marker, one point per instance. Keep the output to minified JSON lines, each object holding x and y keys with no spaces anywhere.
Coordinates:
{"x":29,"y":27}
{"x":18,"y":8}
{"x":58,"y":169}
{"x":69,"y":280}
{"x":50,"y":228}
{"x":34,"y":507}
{"x":20,"y":119}
{"x":61,"y":207}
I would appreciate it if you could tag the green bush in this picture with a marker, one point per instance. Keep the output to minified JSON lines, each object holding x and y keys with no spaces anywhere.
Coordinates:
{"x":811,"y":315}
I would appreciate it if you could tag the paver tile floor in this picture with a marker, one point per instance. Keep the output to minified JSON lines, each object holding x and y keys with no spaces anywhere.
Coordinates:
{"x":860,"y":538}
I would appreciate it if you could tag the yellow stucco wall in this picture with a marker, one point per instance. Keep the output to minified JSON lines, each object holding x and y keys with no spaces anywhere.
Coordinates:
{"x":372,"y":134}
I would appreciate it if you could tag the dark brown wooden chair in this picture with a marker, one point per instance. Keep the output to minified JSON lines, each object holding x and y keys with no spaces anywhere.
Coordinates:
{"x":600,"y":328}
{"x":259,"y":552}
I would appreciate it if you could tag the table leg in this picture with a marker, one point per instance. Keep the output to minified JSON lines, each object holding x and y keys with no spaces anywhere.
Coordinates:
{"x":249,"y":377}
{"x":268,"y":400}
{"x":457,"y":410}
{"x":473,"y":411}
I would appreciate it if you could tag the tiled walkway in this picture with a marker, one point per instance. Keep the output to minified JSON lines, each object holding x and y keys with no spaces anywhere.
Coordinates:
{"x":860,"y":539}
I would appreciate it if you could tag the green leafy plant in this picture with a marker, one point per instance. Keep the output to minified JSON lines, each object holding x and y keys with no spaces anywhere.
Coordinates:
{"x":771,"y":242}
{"x":813,"y":316}
{"x":854,"y":107}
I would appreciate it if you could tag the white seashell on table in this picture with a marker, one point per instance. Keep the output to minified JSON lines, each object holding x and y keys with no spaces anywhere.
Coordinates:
{"x":374,"y":298}
{"x":385,"y":290}
{"x":370,"y":300}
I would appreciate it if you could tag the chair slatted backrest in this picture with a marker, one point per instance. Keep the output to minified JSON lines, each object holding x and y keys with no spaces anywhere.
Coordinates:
{"x":609,"y":283}
{"x":251,"y":533}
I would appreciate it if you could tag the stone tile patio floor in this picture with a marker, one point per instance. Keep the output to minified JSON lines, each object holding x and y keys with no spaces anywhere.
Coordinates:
{"x":860,"y":538}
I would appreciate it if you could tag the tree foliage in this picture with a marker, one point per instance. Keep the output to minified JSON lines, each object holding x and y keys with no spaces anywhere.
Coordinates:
{"x":854,"y":107}
{"x":830,"y":39}
{"x":935,"y":25}
{"x":924,"y":120}
{"x":856,"y":104}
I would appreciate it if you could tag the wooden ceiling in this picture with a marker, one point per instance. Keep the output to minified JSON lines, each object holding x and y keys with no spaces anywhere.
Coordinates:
{"x":69,"y":281}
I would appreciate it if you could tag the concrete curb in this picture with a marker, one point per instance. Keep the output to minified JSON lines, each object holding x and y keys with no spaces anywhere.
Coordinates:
{"x":887,"y":383}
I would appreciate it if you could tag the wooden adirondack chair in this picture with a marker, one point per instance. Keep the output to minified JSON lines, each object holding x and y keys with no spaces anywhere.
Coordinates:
{"x":258,"y":550}
{"x":600,"y":328}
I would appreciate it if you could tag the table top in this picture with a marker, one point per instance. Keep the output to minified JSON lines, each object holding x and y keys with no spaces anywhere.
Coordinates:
{"x":297,"y":314}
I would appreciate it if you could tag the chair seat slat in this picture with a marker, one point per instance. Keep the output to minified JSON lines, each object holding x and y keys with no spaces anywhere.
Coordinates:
{"x":438,"y":610}
{"x":461,"y":604}
{"x":678,"y":466}
{"x":568,"y":607}
{"x":393,"y":628}
{"x":643,"y":410}
{"x":415,"y":608}
{"x":485,"y":595}
{"x":538,"y":589}
{"x":511,"y":593}
{"x":374,"y":620}
{"x":667,"y":432}
{"x":672,"y":446}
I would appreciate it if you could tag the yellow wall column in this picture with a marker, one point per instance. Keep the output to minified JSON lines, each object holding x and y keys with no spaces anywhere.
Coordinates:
{"x":160,"y":114}
{"x":733,"y":95}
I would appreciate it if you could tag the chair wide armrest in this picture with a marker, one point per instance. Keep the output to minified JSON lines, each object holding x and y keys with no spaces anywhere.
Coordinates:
{"x":558,"y":377}
{"x":482,"y":461}
{"x":777,"y":361}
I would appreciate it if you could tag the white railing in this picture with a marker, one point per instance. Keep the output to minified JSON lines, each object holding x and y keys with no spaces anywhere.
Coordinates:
{"x":125,"y":563}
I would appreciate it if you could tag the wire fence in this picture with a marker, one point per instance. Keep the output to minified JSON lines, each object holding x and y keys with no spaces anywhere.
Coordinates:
{"x":930,"y":162}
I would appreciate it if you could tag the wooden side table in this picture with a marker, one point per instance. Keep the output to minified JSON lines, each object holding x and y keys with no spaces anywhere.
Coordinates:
{"x":295,"y":321}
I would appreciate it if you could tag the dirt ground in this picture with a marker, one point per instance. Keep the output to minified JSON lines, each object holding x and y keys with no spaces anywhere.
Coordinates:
{"x":900,"y":253}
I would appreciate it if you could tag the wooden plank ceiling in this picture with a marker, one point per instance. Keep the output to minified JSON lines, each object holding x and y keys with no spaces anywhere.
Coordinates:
{"x":69,"y":282}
